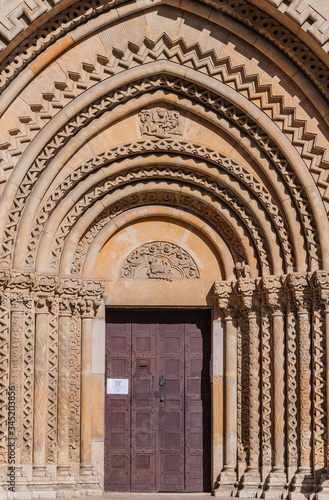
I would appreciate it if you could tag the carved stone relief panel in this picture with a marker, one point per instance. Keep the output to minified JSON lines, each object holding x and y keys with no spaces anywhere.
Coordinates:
{"x":160,"y":122}
{"x":159,"y":260}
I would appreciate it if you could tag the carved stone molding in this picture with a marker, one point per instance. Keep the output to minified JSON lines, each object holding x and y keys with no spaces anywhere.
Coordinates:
{"x":214,"y":157}
{"x":159,"y":260}
{"x":251,"y":15}
{"x":182,"y":87}
{"x":22,"y":284}
{"x":147,"y":198}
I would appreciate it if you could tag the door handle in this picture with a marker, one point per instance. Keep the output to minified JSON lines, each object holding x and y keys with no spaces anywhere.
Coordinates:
{"x":162,"y":385}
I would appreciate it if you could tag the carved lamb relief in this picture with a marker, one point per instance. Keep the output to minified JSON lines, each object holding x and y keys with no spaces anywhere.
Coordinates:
{"x":159,"y":260}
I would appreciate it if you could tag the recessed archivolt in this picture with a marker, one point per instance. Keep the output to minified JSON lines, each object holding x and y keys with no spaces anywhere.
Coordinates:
{"x":182,"y":148}
{"x":186,"y":88}
{"x":97,"y":235}
{"x":230,"y":175}
{"x":177,"y":51}
{"x":225,"y":198}
{"x":248,"y":14}
{"x":147,"y":193}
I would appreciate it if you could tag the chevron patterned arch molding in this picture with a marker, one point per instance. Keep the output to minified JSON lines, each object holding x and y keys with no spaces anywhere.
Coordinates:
{"x":177,"y":85}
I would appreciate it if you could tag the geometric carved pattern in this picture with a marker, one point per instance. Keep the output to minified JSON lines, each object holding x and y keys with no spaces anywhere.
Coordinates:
{"x":181,"y":86}
{"x":159,"y":260}
{"x":162,"y":198}
{"x":292,"y":385}
{"x":28,"y":375}
{"x":215,"y":157}
{"x":4,"y":374}
{"x":301,"y":443}
{"x":52,"y":383}
{"x":18,"y":294}
{"x":164,"y":46}
{"x":83,"y":204}
{"x":74,"y":388}
{"x":251,"y":15}
{"x":266,"y":386}
{"x":319,"y":392}
{"x":63,"y":387}
{"x":245,"y":390}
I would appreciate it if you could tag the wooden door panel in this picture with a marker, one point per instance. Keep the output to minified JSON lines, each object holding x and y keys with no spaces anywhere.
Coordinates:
{"x":171,"y":417}
{"x":117,"y":408}
{"x":197,"y":402}
{"x":158,"y":439}
{"x":143,"y":418}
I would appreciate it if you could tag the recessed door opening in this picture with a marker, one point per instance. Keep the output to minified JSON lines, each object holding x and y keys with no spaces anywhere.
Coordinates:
{"x":158,"y":435}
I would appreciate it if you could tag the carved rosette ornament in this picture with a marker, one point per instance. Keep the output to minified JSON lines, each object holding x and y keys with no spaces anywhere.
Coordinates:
{"x":159,"y":260}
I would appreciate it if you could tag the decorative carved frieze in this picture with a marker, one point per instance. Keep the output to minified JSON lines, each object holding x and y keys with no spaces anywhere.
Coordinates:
{"x":159,"y":260}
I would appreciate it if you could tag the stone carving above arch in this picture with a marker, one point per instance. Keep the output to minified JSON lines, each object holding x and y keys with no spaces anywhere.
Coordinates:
{"x":159,"y":260}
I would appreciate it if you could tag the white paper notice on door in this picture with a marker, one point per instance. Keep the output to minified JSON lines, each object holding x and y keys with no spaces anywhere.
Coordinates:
{"x":117,"y":386}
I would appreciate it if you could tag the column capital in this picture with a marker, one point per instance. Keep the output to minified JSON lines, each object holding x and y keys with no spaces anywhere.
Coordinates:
{"x":20,"y":301}
{"x":88,"y":307}
{"x":227,"y":300}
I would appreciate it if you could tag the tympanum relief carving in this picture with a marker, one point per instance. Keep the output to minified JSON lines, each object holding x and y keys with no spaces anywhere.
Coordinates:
{"x":159,"y":260}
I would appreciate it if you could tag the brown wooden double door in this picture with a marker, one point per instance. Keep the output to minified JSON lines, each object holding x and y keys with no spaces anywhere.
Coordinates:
{"x":158,"y":437}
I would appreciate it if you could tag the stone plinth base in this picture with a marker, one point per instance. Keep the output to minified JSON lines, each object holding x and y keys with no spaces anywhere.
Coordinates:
{"x":227,"y":483}
{"x":250,"y":484}
{"x":276,"y":485}
{"x":302,"y":486}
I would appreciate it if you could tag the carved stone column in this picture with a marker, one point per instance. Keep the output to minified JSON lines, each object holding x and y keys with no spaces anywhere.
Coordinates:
{"x":63,"y":461}
{"x":277,"y":479}
{"x":40,"y":390}
{"x":21,"y":373}
{"x":16,"y":365}
{"x":227,"y":304}
{"x":321,"y":282}
{"x":303,"y":480}
{"x":251,"y":480}
{"x":87,"y":474}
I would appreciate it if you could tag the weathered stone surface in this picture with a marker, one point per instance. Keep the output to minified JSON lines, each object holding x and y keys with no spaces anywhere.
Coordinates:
{"x":165,"y":154}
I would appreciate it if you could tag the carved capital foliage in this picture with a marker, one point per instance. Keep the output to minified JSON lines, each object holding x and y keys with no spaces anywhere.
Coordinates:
{"x":300,"y":292}
{"x":50,"y":293}
{"x":320,"y":284}
{"x":275,"y":293}
{"x":88,"y":307}
{"x":45,"y":284}
{"x":227,"y":300}
{"x":298,"y":282}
